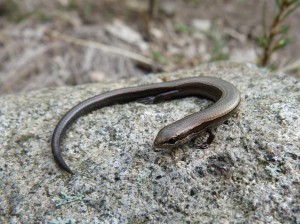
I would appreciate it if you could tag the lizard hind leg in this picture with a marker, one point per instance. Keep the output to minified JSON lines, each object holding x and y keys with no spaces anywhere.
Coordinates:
{"x":210,"y":139}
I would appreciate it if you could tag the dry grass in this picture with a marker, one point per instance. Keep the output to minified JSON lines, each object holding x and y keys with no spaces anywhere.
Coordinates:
{"x":30,"y":58}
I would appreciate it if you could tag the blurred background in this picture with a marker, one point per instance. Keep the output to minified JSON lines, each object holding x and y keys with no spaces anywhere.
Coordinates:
{"x":68,"y":42}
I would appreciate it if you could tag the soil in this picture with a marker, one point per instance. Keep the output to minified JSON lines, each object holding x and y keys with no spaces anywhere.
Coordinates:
{"x":176,"y":34}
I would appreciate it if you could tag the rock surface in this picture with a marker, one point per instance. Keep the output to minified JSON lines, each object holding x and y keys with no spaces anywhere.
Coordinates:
{"x":251,"y":173}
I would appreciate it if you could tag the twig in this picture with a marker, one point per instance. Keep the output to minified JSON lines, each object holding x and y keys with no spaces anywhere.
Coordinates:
{"x":293,"y":66}
{"x":269,"y":41}
{"x":102,"y":47}
{"x":271,"y":35}
{"x":152,"y":9}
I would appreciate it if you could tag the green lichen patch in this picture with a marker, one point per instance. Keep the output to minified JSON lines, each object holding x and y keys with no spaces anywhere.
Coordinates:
{"x":67,"y":198}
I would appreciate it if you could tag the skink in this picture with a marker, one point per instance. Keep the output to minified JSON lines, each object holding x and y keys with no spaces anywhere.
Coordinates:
{"x":224,"y":94}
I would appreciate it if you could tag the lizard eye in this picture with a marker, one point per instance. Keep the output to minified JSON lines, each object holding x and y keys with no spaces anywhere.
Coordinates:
{"x":172,"y":141}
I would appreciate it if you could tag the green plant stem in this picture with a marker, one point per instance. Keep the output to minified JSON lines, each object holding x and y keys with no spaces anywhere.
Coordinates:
{"x":276,"y":36}
{"x":267,"y":51}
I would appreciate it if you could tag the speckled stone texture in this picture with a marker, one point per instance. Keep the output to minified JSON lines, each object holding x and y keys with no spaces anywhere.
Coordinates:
{"x":250,"y":174}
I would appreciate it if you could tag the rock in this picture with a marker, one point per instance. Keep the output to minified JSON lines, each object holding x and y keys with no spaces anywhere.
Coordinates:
{"x":97,"y":76}
{"x":157,"y":33}
{"x":168,"y":8}
{"x":64,"y":3}
{"x":127,"y":34}
{"x":249,"y":174}
{"x":201,"y":24}
{"x":244,"y":55}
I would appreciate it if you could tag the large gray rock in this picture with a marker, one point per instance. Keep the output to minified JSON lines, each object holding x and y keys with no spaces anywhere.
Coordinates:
{"x":251,"y":173}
